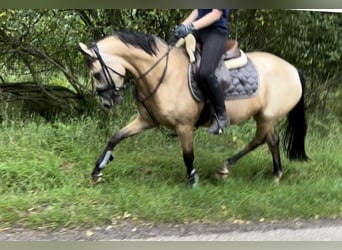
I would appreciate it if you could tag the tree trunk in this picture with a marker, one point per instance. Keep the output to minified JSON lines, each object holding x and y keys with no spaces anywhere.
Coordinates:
{"x":48,"y":100}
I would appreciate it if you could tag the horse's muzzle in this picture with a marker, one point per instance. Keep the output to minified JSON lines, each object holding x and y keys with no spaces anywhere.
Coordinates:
{"x":109,"y":103}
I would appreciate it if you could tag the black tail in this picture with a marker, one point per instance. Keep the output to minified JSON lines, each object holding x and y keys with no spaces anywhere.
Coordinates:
{"x":294,"y":139}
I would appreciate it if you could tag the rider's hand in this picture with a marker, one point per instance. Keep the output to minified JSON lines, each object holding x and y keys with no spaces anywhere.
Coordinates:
{"x":183,"y":30}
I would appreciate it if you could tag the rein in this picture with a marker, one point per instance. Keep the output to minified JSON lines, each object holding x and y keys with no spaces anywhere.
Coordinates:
{"x":142,"y":100}
{"x":160,"y":79}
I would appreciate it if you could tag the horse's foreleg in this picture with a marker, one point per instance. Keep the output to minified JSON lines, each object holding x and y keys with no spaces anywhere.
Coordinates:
{"x":186,"y":135}
{"x":135,"y":127}
{"x":273,"y":144}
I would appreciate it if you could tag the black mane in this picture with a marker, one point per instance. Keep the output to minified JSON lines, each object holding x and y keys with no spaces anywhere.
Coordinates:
{"x":146,"y":42}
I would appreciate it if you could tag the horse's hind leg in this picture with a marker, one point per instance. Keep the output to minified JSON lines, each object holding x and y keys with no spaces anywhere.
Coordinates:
{"x":273,"y":144}
{"x":258,"y":140}
{"x":224,"y":170}
{"x":186,"y":135}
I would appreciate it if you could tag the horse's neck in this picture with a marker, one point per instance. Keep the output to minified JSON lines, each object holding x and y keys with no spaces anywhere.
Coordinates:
{"x":147,"y":70}
{"x":144,"y":63}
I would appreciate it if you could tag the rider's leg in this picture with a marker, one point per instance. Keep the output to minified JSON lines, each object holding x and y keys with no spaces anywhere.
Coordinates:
{"x":213,"y":44}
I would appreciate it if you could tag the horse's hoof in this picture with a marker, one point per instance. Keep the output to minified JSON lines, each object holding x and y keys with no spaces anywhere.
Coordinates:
{"x":276,"y":179}
{"x":193,"y":179}
{"x":223,"y":172}
{"x":221,"y":176}
{"x":97,"y":178}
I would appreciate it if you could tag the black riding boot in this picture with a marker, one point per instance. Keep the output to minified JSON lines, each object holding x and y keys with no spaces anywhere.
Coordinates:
{"x":216,"y":97}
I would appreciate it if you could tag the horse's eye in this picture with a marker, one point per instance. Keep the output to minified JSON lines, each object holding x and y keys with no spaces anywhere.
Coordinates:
{"x":97,"y":76}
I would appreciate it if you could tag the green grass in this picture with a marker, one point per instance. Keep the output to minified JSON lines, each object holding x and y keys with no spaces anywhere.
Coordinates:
{"x":45,"y":176}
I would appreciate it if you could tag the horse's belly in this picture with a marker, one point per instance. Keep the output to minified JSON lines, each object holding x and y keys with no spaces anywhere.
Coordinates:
{"x":241,"y":110}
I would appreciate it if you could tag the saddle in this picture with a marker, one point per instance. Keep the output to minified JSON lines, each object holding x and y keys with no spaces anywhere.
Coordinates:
{"x":236,"y":72}
{"x":232,"y":50}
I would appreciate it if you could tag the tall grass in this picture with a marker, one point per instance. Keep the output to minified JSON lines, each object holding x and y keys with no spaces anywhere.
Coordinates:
{"x":45,"y":176}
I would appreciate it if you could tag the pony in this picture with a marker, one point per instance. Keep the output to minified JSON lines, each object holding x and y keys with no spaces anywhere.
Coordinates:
{"x":163,"y":98}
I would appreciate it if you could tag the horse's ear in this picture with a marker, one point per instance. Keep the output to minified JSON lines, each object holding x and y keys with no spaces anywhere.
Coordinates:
{"x":84,"y":49}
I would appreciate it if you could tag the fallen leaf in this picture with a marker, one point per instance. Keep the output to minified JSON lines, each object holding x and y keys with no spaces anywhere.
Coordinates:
{"x":89,"y":233}
{"x":2,"y":229}
{"x":126,"y":215}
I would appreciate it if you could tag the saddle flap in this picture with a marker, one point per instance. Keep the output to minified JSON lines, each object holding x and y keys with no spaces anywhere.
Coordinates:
{"x":232,"y":50}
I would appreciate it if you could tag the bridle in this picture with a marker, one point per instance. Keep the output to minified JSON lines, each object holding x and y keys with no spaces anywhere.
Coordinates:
{"x":112,"y":86}
{"x":111,"y":83}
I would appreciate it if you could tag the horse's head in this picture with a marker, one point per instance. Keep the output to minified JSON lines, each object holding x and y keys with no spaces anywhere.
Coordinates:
{"x":108,"y":74}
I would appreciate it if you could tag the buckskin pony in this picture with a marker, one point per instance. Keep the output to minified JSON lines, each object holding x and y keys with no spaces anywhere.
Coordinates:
{"x":164,"y":98}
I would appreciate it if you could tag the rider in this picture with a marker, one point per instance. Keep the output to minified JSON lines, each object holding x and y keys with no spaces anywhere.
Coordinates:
{"x":210,"y":27}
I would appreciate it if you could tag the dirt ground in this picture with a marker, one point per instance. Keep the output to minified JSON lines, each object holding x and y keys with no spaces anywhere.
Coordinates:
{"x":239,"y":231}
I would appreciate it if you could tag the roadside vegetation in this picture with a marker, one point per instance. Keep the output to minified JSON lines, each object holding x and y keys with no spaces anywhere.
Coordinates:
{"x":45,"y":176}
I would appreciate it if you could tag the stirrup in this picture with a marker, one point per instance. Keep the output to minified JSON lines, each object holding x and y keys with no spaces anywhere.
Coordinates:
{"x":218,"y":125}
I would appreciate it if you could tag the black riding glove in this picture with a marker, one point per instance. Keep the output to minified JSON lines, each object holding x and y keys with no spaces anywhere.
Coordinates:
{"x":183,"y":30}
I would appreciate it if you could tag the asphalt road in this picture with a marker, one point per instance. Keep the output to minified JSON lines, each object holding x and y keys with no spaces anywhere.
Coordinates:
{"x":317,"y":230}
{"x":329,"y":233}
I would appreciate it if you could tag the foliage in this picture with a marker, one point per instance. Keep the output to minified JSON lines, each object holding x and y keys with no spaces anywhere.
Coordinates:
{"x":36,"y":44}
{"x":41,"y":44}
{"x":294,"y":35}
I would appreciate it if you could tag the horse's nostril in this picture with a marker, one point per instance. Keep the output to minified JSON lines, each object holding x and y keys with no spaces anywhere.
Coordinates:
{"x":106,"y":105}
